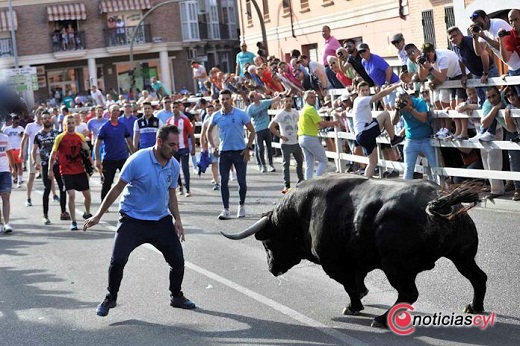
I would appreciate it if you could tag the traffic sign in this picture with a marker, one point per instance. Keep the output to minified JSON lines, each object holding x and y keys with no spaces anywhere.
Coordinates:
{"x":21,"y":79}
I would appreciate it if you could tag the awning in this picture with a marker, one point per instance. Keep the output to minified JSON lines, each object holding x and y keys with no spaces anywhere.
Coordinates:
{"x":5,"y":20}
{"x":67,"y":12}
{"x":108,"y":6}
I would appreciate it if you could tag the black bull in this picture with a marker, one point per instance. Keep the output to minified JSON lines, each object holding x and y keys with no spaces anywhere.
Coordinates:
{"x":353,"y":225}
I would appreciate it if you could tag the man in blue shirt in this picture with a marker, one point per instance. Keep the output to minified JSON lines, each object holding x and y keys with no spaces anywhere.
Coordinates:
{"x":243,"y":58}
{"x":127,"y":118}
{"x":232,"y":151}
{"x":417,"y":132}
{"x":118,"y":143}
{"x":148,"y":182}
{"x":257,"y":111}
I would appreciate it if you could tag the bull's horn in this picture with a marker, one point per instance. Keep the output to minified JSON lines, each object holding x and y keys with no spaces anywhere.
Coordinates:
{"x":256,"y":227}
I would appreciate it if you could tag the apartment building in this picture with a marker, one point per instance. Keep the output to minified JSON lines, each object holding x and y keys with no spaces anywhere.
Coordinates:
{"x":76,"y":44}
{"x":297,"y":24}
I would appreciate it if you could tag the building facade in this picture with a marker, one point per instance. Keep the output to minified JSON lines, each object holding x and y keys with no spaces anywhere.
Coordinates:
{"x":297,"y":24}
{"x":76,"y":44}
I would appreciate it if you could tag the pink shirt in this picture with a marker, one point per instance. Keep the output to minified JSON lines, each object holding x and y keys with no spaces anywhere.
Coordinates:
{"x":329,"y":48}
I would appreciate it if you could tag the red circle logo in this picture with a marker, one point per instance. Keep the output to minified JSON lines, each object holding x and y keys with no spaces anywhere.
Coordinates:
{"x":400,"y":320}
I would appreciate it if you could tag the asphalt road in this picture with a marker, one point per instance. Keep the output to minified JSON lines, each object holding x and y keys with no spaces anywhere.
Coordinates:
{"x":51,"y":280}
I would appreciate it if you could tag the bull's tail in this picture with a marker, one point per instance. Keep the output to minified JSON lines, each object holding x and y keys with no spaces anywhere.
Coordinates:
{"x":445,"y":206}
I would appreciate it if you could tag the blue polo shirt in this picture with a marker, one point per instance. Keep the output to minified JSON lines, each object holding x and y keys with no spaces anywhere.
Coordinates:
{"x":231,"y":128}
{"x":128,"y":122}
{"x":376,"y":69}
{"x":146,"y":195}
{"x":114,"y":138}
{"x":259,"y":115}
{"x":415,"y":129}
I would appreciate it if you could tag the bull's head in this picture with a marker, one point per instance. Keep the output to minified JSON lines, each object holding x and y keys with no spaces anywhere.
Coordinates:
{"x":281,"y":250}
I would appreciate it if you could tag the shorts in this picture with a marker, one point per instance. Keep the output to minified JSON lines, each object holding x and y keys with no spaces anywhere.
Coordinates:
{"x":16,"y":156}
{"x":213,"y":158}
{"x":78,"y":182}
{"x":6,"y":182}
{"x":458,"y":93}
{"x":367,"y":137}
{"x":32,"y":169}
{"x":389,"y":99}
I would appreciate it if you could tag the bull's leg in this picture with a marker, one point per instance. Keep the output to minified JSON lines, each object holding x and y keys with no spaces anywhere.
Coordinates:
{"x":355,"y":305}
{"x":407,"y":293}
{"x":478,"y":278}
{"x":360,"y":282}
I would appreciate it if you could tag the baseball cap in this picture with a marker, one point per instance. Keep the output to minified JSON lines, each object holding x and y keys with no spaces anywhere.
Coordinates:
{"x":362,"y":46}
{"x":397,"y":37}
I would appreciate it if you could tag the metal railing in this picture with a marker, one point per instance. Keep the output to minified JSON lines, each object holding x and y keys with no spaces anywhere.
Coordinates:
{"x":63,"y":42}
{"x":121,"y":36}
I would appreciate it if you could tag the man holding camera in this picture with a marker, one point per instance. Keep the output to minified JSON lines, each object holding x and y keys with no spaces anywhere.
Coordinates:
{"x":417,"y":132}
{"x":509,"y":42}
{"x":485,"y":31}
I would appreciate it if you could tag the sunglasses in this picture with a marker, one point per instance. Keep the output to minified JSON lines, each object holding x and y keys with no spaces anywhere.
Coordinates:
{"x":395,"y":42}
{"x":474,"y":16}
{"x":362,"y":51}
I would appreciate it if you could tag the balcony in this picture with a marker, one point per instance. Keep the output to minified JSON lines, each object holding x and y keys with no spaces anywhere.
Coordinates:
{"x":68,"y":45}
{"x":203,"y":31}
{"x":117,"y":37}
{"x":6,"y":48}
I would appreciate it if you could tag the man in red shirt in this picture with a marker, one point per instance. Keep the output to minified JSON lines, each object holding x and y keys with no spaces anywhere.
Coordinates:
{"x":509,"y":42}
{"x":186,"y":131}
{"x":67,"y":148}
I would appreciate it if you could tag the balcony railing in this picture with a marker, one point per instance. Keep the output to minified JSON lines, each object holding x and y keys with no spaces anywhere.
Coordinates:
{"x":203,"y":31}
{"x":6,"y":48}
{"x":121,"y":36}
{"x":66,"y":42}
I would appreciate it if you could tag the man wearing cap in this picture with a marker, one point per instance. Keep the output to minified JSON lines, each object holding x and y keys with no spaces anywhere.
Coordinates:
{"x":398,"y":42}
{"x":329,"y":49}
{"x":356,"y":61}
{"x":243,"y":58}
{"x":380,"y":72}
{"x":418,"y":131}
{"x":199,"y":75}
{"x":485,"y":33}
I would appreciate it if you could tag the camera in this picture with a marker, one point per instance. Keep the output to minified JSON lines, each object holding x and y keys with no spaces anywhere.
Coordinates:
{"x":401,"y":105}
{"x":476,"y":28}
{"x":422,"y":59}
{"x":503,"y":33}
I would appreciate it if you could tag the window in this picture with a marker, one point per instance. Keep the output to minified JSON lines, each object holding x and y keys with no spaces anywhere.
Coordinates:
{"x":189,"y":20}
{"x":223,"y":61}
{"x":214,"y":29}
{"x":266,"y":10}
{"x":449,"y":18}
{"x":249,"y":14}
{"x":229,"y":17}
{"x":304,"y":5}
{"x":428,"y":27}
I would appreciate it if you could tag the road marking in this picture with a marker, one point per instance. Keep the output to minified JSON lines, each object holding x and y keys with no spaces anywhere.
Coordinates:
{"x":295,"y":315}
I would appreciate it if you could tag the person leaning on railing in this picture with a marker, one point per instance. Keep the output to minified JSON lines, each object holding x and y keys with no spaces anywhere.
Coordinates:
{"x":513,"y":129}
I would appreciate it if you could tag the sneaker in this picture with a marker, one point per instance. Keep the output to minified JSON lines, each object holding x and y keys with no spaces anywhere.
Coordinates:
{"x":46,"y":220}
{"x":188,"y":194}
{"x":216,"y":187}
{"x":181,"y":302}
{"x":475,"y":139}
{"x":107,"y":304}
{"x":39,"y":176}
{"x":286,"y":189}
{"x":299,"y":182}
{"x":263,"y":169}
{"x":516,"y":196}
{"x":73,"y":226}
{"x":181,"y":191}
{"x":224,"y":215}
{"x":28,"y":202}
{"x":8,"y":228}
{"x":87,"y":215}
{"x":442,"y":133}
{"x":55,"y":198}
{"x":460,"y":138}
{"x":396,"y":140}
{"x":271,"y":168}
{"x":65,"y":216}
{"x":487,"y":137}
{"x":241,"y":212}
{"x":259,"y":168}
{"x":19,"y":185}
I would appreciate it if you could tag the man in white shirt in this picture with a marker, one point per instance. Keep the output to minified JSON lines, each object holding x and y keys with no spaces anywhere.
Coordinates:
{"x":97,"y":96}
{"x":28,"y":137}
{"x":15,"y":134}
{"x":199,"y":75}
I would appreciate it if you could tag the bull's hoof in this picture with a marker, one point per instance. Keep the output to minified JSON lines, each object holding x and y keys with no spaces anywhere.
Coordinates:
{"x":363,"y":294}
{"x":349,"y":312}
{"x":377,"y":324}
{"x":470,"y":309}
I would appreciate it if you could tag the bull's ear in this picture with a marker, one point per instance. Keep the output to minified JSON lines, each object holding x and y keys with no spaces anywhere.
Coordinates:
{"x":264,"y":234}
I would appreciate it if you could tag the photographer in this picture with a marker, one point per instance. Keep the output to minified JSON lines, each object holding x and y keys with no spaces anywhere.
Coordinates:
{"x":485,"y":32}
{"x":418,"y":131}
{"x":509,"y":41}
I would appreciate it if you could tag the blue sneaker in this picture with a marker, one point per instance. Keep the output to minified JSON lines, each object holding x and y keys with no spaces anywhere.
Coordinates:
{"x":182,"y":302}
{"x":107,"y":304}
{"x":73,"y":226}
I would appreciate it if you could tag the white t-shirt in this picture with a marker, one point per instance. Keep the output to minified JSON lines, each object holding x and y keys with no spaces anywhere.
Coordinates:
{"x":362,"y":112}
{"x":15,"y":136}
{"x":5,"y":146}
{"x":81,"y":128}
{"x":288,"y":123}
{"x":98,"y":97}
{"x":495,"y":24}
{"x":198,"y":72}
{"x":447,"y":59}
{"x":214,"y":132}
{"x":31,"y":130}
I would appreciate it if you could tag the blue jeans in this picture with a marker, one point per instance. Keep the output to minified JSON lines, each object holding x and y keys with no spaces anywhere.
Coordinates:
{"x":226,"y":160}
{"x":313,"y":150}
{"x":183,"y":156}
{"x":412,"y":148}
